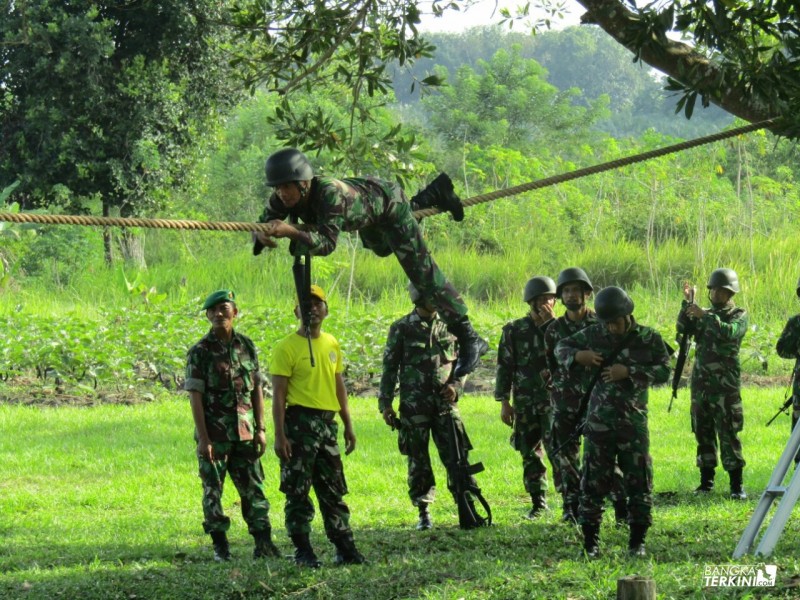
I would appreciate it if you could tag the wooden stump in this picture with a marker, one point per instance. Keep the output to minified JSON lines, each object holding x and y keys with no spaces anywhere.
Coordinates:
{"x":635,"y":587}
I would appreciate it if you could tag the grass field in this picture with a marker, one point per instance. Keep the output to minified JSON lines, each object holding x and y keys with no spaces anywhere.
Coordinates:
{"x":104,"y":502}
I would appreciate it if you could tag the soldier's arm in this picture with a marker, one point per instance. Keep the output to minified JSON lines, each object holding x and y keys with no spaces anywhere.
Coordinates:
{"x":730,"y":331}
{"x":568,"y":348}
{"x":550,"y":347}
{"x":656,"y":371}
{"x":280,"y":387}
{"x":392,"y":357}
{"x":204,"y":447}
{"x":788,"y":345}
{"x":344,"y":414}
{"x":504,"y":373}
{"x":683,"y":319}
{"x":330,"y":221}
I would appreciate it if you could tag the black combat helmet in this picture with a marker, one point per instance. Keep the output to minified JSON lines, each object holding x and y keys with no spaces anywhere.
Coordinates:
{"x":724,"y":278}
{"x":611,"y":303}
{"x":538,"y":286}
{"x":572,"y":275}
{"x":287,"y":165}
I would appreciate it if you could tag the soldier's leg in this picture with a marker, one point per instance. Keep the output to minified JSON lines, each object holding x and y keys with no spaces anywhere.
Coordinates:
{"x":637,"y":467}
{"x":329,"y":483}
{"x":703,"y":415}
{"x":565,"y":423}
{"x":415,"y":434}
{"x":545,"y":416}
{"x":212,"y":475}
{"x":731,"y":422}
{"x":530,"y":435}
{"x":618,"y":497}
{"x":441,"y":430}
{"x":248,"y":477}
{"x":598,"y":468}
{"x":296,"y":472}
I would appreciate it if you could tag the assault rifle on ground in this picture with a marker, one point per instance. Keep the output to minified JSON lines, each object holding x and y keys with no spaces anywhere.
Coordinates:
{"x":302,"y":285}
{"x":683,"y":352}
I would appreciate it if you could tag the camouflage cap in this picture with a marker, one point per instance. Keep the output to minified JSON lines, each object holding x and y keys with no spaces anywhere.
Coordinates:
{"x":218,"y":297}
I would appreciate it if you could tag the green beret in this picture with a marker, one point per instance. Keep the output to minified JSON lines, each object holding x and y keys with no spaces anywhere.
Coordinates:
{"x":218,"y":297}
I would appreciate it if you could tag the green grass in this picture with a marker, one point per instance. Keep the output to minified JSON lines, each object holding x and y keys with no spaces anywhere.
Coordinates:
{"x":104,"y":502}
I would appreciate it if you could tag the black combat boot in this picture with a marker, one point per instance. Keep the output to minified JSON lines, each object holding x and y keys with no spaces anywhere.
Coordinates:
{"x":636,"y":540}
{"x":591,"y":539}
{"x":424,"y":517}
{"x":346,"y":551}
{"x":222,"y":551}
{"x":621,"y":511}
{"x":538,"y":505}
{"x":303,"y":552}
{"x":470,"y":346}
{"x":440,"y":194}
{"x":570,"y":512}
{"x":737,"y":491}
{"x":264,"y":546}
{"x":706,"y":480}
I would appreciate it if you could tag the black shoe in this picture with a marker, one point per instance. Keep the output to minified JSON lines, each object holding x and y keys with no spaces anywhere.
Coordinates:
{"x":264,"y":547}
{"x":470,"y":347}
{"x":424,"y":522}
{"x":222,"y":551}
{"x":591,"y":540}
{"x":440,"y":194}
{"x":304,"y":554}
{"x":706,"y":481}
{"x":636,"y":540}
{"x":346,"y":551}
{"x":538,"y":506}
{"x":737,"y":491}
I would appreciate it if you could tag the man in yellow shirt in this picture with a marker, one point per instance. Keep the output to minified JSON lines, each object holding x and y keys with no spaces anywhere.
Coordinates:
{"x":305,"y":402}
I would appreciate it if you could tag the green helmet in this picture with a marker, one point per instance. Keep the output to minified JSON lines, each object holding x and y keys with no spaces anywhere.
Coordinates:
{"x":538,"y":286}
{"x":572,"y":275}
{"x":724,"y":278}
{"x":611,"y":303}
{"x":287,"y":165}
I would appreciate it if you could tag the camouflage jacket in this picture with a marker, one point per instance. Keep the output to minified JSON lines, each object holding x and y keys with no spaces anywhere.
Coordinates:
{"x":718,"y":336}
{"x":336,"y":205}
{"x":571,"y":383}
{"x":225,"y":375}
{"x":522,"y":364}
{"x":422,"y":353}
{"x":643,"y":352}
{"x":788,"y":346}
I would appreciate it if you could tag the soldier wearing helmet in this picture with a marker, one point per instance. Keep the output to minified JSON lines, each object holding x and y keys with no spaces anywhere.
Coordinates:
{"x":522,"y":377}
{"x":717,"y":416}
{"x":382,"y":215}
{"x":789,"y":347}
{"x":574,"y":288}
{"x":630,"y":358}
{"x":420,"y":355}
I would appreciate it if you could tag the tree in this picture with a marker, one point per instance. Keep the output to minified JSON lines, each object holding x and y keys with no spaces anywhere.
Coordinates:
{"x":744,"y":56}
{"x":105,"y":101}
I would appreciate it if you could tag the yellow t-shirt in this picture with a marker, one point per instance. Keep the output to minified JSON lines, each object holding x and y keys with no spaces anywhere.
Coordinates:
{"x":312,"y":387}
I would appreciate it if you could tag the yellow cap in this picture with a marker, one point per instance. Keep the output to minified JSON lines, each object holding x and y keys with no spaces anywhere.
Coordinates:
{"x":319,"y":293}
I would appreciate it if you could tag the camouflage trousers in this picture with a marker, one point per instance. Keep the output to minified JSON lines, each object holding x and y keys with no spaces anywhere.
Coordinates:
{"x":718,"y":417}
{"x":531,"y":438}
{"x":315,"y":462}
{"x":567,"y":466}
{"x":398,"y":233}
{"x":419,"y":420}
{"x":240,"y":460}
{"x":625,"y":447}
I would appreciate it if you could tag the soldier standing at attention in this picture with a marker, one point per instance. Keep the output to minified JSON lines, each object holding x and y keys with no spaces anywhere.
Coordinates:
{"x":422,"y":354}
{"x":522,"y":373}
{"x":382,"y":215}
{"x":224,"y":385}
{"x":789,"y":347}
{"x":304,"y":405}
{"x":716,"y":379}
{"x":631,"y":358}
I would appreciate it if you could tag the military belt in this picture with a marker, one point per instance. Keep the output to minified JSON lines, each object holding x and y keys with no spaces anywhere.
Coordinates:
{"x":325,"y":415}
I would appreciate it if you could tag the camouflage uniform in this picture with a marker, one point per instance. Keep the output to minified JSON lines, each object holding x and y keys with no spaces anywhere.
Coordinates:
{"x":716,"y":383}
{"x":567,"y":391}
{"x":226,"y":375}
{"x":616,"y":421}
{"x":788,"y":346}
{"x":522,"y":372}
{"x":422,"y":354}
{"x":382,"y":215}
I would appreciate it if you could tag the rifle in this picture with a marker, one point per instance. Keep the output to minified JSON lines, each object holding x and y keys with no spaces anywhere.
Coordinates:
{"x":584,"y":405}
{"x":459,"y":474}
{"x":302,"y":285}
{"x":688,"y":332}
{"x":788,"y":398}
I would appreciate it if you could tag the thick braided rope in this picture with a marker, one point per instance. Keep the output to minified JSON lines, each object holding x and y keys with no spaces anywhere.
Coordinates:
{"x":89,"y":220}
{"x":606,"y":166}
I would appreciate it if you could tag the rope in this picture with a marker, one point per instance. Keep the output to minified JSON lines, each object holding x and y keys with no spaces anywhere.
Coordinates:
{"x":89,"y":220}
{"x":606,"y":166}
